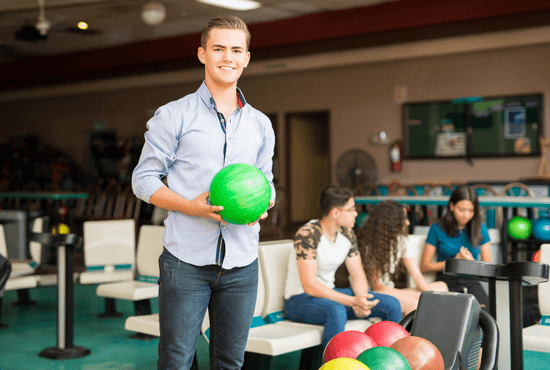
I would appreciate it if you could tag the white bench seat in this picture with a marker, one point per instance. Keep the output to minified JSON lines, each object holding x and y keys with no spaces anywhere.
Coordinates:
{"x":537,"y":337}
{"x":145,"y":324}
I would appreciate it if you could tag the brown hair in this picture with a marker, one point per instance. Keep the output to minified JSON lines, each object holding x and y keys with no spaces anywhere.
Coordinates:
{"x":334,"y":196}
{"x":226,"y":22}
{"x":378,"y":237}
{"x":448,"y":222}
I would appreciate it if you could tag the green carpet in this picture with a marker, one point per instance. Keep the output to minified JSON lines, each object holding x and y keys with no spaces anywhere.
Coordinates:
{"x":33,"y":328}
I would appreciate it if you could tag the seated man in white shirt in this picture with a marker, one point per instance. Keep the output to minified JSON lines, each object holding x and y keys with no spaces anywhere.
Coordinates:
{"x":321,"y":247}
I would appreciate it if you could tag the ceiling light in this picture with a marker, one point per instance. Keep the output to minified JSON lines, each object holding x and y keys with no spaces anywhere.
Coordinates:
{"x":233,"y":4}
{"x":153,"y":13}
{"x":82,"y":25}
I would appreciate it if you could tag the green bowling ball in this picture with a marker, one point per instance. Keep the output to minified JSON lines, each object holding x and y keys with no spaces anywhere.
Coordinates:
{"x":242,"y":190}
{"x":382,"y":358}
{"x":519,"y":227}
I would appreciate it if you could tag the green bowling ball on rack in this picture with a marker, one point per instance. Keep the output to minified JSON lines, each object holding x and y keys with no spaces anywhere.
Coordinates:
{"x":378,"y":358}
{"x":243,"y":191}
{"x":519,"y":227}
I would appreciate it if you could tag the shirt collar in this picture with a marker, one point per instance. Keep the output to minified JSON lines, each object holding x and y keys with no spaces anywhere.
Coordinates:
{"x":205,"y":95}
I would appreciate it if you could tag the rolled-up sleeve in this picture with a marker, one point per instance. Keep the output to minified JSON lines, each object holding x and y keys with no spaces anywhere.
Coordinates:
{"x":158,"y":153}
{"x":265,"y":156}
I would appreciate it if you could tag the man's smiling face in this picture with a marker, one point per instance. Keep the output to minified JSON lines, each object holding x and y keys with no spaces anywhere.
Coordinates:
{"x":225,"y":57}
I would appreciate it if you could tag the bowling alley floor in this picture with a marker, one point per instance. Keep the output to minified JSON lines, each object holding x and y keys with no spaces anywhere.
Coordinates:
{"x":33,"y":328}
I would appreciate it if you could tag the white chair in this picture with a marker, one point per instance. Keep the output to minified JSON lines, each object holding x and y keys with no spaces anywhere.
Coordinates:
{"x":109,"y":251}
{"x":421,"y":230}
{"x":109,"y":255}
{"x":417,"y":243}
{"x":496,"y":249}
{"x":145,"y":324}
{"x":13,"y":283}
{"x":27,"y":268}
{"x":277,"y":338}
{"x":145,"y":287}
{"x":537,"y":337}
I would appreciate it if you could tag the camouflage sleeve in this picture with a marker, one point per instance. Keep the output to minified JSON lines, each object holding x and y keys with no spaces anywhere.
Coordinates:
{"x":306,"y":241}
{"x":350,"y":234}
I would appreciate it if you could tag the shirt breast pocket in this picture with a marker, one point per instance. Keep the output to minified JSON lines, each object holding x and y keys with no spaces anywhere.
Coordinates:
{"x":248,"y":139}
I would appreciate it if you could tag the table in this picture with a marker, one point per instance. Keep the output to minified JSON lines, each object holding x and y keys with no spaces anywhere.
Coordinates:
{"x":65,"y":267}
{"x":42,"y":195}
{"x":505,"y":202}
{"x":505,"y":299}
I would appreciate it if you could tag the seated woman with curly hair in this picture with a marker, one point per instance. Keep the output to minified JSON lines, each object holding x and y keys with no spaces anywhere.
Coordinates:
{"x":383,"y":243}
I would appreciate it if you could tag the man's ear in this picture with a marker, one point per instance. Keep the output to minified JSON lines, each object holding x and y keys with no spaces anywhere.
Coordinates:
{"x":247,"y":59}
{"x":200,"y":54}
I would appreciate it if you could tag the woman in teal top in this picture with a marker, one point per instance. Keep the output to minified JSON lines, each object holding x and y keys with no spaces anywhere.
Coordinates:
{"x":458,"y":234}
{"x":449,"y":246}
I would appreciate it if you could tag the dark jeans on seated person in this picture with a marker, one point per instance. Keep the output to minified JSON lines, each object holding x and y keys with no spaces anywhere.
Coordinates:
{"x":333,"y":315}
{"x":185,"y":292}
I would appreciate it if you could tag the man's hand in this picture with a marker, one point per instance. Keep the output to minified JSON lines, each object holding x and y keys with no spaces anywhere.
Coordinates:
{"x":264,"y":215}
{"x":362,"y":307}
{"x":200,"y":207}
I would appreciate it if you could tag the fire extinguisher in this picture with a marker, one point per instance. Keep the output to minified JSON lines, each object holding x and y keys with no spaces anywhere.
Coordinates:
{"x":395,"y":156}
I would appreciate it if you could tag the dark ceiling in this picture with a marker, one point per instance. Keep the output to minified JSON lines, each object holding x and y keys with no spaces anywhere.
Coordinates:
{"x":290,"y":35}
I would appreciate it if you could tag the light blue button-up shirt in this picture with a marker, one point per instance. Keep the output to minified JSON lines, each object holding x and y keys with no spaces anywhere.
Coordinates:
{"x":186,"y":142}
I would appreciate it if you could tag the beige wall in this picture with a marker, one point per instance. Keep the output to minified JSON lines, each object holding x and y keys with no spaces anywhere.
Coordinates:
{"x":360,"y":99}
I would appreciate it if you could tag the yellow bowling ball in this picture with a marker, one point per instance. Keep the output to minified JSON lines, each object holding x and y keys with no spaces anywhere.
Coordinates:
{"x":344,"y":363}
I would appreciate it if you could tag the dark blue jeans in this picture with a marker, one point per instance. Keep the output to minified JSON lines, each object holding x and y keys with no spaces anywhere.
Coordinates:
{"x":333,"y":315}
{"x":185,"y":292}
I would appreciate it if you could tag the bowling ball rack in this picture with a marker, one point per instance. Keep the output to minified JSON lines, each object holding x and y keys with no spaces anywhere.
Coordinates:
{"x":506,"y":283}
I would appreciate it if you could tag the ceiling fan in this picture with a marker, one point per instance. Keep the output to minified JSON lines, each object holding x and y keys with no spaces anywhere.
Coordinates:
{"x":44,"y":24}
{"x":40,"y":30}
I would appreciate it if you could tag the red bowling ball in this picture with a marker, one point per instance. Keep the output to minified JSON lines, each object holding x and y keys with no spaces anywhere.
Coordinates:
{"x":385,"y":333}
{"x":350,"y":344}
{"x":420,"y":353}
{"x":536,"y":256}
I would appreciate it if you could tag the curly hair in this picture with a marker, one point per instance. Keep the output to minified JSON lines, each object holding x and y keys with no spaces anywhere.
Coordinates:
{"x":377,"y":239}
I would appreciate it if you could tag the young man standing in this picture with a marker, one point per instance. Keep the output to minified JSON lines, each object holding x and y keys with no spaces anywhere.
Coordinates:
{"x":206,"y":262}
{"x":321,"y":247}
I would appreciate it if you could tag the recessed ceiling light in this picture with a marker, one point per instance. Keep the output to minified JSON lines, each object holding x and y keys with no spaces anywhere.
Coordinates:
{"x":233,"y":4}
{"x":153,"y":13}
